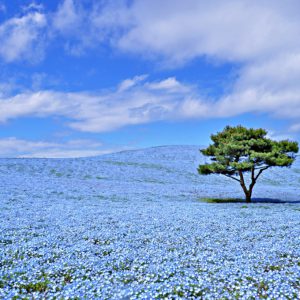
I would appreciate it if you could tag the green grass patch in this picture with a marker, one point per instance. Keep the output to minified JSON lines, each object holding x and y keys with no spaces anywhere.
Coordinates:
{"x":221,"y":200}
{"x":31,"y":287}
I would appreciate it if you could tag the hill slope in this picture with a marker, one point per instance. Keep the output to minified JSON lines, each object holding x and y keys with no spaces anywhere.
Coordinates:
{"x":168,"y":171}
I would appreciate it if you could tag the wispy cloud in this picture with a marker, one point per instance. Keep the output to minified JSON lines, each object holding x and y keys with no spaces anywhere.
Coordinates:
{"x":68,"y":18}
{"x":14,"y":147}
{"x":78,"y":26}
{"x":22,"y":37}
{"x":131,"y":82}
{"x":33,"y":6}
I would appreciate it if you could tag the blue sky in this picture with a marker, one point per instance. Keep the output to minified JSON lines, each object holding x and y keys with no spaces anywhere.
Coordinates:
{"x":81,"y":78}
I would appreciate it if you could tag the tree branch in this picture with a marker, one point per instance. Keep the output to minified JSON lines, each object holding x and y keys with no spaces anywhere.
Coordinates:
{"x":263,"y":168}
{"x":260,"y":171}
{"x":231,"y":177}
{"x":252,"y":174}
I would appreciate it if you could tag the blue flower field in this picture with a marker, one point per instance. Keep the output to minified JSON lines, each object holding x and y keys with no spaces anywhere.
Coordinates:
{"x":131,"y":225}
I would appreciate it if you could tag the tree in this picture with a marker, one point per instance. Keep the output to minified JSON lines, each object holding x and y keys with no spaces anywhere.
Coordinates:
{"x":239,"y":150}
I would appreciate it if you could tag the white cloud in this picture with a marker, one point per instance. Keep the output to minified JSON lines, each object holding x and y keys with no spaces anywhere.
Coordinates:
{"x":134,"y":101}
{"x":13,"y":147}
{"x":130,"y":82}
{"x":279,"y":136}
{"x":234,"y":30}
{"x":68,"y":18}
{"x":22,"y":37}
{"x":71,"y":22}
{"x":38,"y":104}
{"x":169,"y":85}
{"x":77,"y":25}
{"x":137,"y":101}
{"x":261,"y":37}
{"x":33,"y":6}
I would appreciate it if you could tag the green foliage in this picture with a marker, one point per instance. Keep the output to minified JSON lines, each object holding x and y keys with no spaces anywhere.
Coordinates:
{"x":220,"y":200}
{"x":237,"y":150}
{"x":35,"y":287}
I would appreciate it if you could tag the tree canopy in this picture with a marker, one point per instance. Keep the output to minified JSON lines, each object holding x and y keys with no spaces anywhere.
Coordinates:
{"x":237,"y":150}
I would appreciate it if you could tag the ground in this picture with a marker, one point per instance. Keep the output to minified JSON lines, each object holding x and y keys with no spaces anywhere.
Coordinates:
{"x":131,"y":225}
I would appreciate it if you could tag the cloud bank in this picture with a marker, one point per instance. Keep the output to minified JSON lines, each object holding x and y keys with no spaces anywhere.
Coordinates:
{"x":133,"y":101}
{"x":139,"y":101}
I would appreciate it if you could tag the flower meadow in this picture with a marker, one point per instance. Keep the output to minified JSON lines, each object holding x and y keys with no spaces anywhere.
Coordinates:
{"x":130,"y":225}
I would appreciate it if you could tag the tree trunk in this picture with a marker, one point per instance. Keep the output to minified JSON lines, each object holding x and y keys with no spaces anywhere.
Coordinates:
{"x":248,"y":192}
{"x":248,"y":197}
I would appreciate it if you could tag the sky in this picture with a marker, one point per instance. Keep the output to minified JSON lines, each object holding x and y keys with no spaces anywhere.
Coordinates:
{"x":88,"y":77}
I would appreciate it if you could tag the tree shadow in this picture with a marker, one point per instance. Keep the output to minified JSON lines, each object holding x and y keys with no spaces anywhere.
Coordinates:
{"x":276,"y":201}
{"x":254,"y":200}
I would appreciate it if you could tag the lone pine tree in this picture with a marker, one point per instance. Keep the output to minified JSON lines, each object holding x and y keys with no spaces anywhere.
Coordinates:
{"x":239,"y":150}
